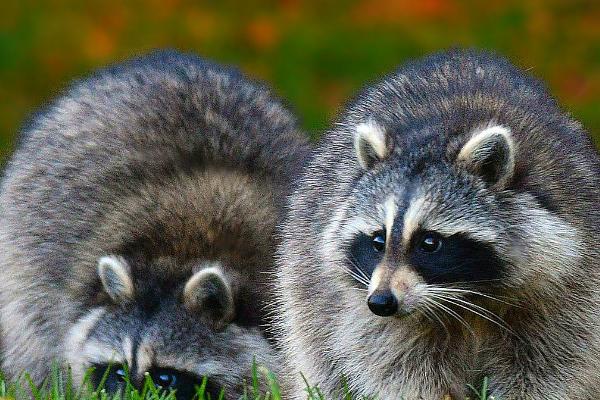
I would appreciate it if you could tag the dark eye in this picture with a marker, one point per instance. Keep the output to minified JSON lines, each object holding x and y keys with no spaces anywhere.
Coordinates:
{"x":166,"y":380}
{"x":183,"y":383}
{"x":431,"y":242}
{"x":378,"y":241}
{"x":112,"y":377}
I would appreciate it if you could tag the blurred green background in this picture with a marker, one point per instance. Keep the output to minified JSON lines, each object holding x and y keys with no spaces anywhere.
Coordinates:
{"x":315,"y":53}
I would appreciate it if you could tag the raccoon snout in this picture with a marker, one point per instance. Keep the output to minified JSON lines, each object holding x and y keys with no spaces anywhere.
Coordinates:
{"x":383,"y":303}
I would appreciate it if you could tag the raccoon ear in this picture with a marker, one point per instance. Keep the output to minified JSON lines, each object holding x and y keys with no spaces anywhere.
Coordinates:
{"x":371,"y":144}
{"x":115,"y":277}
{"x":490,"y":154}
{"x":208,"y":292}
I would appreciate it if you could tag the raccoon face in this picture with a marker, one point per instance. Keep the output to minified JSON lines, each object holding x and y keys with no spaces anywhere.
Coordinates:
{"x":439,"y":227}
{"x":178,"y":336}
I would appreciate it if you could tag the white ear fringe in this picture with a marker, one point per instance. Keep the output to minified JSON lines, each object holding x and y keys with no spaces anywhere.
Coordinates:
{"x":482,"y":136}
{"x":114,"y":275}
{"x":483,"y":142}
{"x":195,"y":292}
{"x":370,"y":143}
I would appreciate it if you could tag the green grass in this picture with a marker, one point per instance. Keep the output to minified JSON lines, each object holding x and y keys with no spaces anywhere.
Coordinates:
{"x":60,"y":386}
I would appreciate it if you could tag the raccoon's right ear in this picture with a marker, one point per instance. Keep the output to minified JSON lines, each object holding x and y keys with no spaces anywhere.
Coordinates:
{"x":115,"y":277}
{"x":209,"y":293}
{"x":490,"y":154}
{"x":371,"y":144}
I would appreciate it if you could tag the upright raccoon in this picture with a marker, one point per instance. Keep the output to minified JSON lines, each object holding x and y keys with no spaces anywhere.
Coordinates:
{"x":445,"y":230}
{"x":137,"y":216}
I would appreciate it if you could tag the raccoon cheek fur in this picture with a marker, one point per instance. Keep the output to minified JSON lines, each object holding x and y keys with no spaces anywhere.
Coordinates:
{"x":138,"y":213}
{"x":441,"y":234}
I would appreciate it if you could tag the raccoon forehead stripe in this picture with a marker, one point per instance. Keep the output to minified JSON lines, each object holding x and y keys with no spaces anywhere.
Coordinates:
{"x":390,"y":215}
{"x":144,"y":356}
{"x":127,"y":346}
{"x":412,"y":218}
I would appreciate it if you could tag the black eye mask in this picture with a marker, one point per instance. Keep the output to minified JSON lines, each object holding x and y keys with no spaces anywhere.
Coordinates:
{"x":113,"y":376}
{"x":183,"y":383}
{"x":365,"y":253}
{"x":458,"y":259}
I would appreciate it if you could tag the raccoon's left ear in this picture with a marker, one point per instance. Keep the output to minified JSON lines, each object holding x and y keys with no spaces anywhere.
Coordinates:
{"x":490,"y":154}
{"x":371,"y":144}
{"x":209,"y":293}
{"x":113,"y":272}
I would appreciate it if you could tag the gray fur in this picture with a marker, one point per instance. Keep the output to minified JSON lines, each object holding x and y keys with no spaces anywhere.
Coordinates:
{"x":173,"y":164}
{"x":537,"y":206}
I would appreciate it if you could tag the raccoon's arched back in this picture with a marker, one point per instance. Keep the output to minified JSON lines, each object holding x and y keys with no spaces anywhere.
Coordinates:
{"x":199,"y":111}
{"x":138,"y":123}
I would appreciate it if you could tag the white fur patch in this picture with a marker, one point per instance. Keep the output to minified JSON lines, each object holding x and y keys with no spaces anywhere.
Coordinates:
{"x":481,"y":146}
{"x":555,"y":244}
{"x":336,"y":233}
{"x":390,"y":216}
{"x":194,"y":283}
{"x":193,"y":292}
{"x":481,"y":136}
{"x":95,"y":352}
{"x":332,"y":235}
{"x":369,"y":135}
{"x":412,"y":218}
{"x":418,"y":216}
{"x":114,"y":274}
{"x":144,"y":357}
{"x":75,"y":341}
{"x":127,"y":346}
{"x":375,"y":280}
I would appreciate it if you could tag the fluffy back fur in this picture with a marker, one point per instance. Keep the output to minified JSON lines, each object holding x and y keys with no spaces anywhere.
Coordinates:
{"x":445,"y":230}
{"x":137,"y":215}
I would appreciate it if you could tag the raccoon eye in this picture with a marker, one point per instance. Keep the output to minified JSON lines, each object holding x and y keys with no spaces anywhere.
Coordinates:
{"x":431,"y":242}
{"x":112,"y":376}
{"x":166,"y":380}
{"x":182,"y":382}
{"x":378,"y":241}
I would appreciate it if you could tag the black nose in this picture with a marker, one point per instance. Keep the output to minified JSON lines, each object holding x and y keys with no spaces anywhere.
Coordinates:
{"x":383,"y":304}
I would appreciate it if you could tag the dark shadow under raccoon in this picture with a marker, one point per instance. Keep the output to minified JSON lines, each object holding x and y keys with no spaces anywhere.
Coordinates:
{"x":445,"y":230}
{"x":137,"y":220}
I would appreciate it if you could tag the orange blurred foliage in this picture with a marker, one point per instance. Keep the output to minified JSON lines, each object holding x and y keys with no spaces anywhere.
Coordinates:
{"x":316,"y":53}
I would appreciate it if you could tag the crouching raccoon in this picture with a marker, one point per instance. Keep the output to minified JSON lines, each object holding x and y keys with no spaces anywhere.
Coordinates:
{"x":137,"y":219}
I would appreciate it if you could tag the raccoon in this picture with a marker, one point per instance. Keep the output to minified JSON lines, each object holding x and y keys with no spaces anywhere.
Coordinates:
{"x":137,"y":221}
{"x":445,"y":231}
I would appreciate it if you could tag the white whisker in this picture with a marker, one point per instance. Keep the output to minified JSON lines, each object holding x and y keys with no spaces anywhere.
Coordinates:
{"x":356,"y":265}
{"x":355,"y":276}
{"x":454,"y":314}
{"x":432,"y":311}
{"x":483,"y":313}
{"x":470,"y":291}
{"x":357,"y":273}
